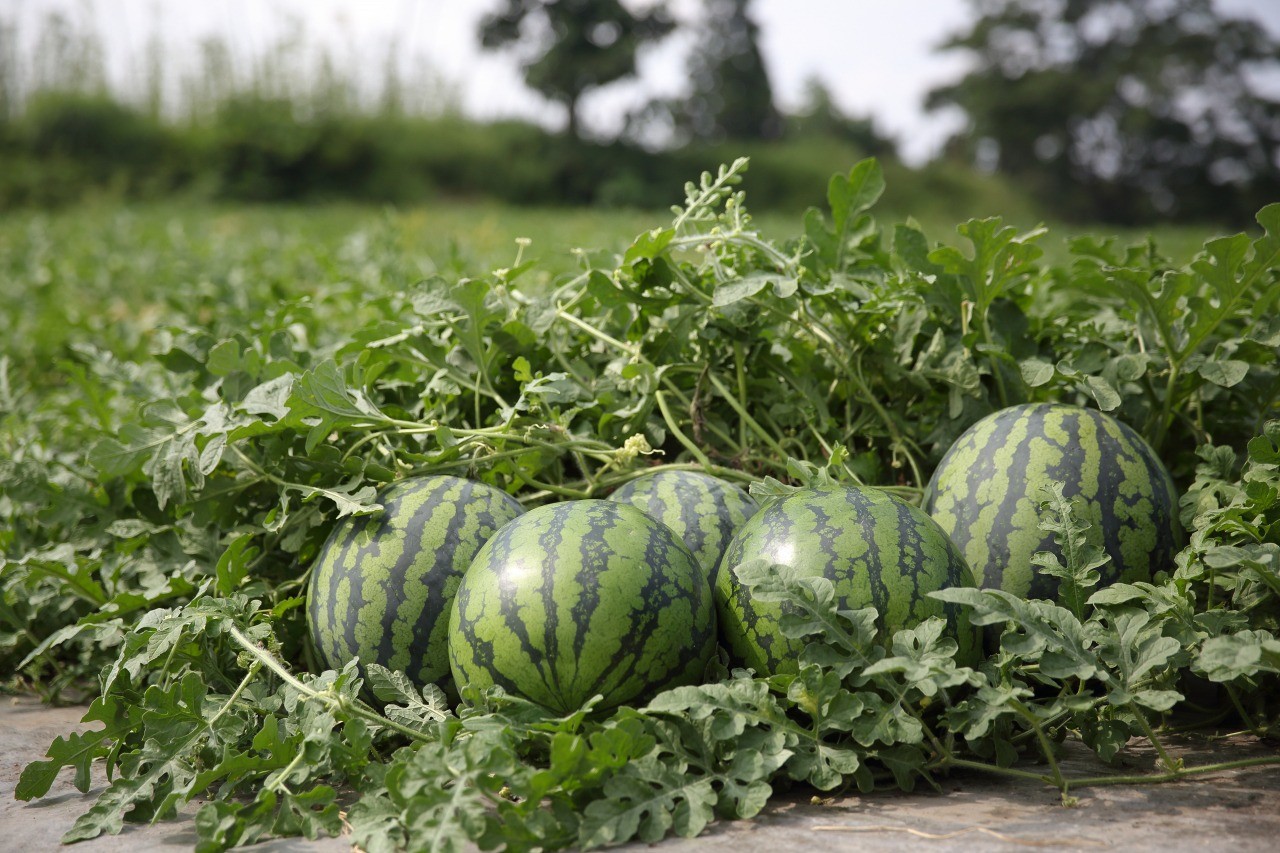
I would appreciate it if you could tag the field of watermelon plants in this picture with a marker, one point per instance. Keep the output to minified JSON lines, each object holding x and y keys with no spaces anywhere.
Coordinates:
{"x":606,"y":547}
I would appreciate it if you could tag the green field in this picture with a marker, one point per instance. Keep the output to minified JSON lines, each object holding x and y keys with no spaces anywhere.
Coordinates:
{"x":108,"y":273}
{"x":192,"y":396}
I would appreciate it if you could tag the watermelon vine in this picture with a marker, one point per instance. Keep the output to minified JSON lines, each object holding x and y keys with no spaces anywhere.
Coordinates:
{"x":193,"y":499}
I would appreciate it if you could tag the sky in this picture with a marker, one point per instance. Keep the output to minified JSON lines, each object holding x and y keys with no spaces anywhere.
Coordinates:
{"x":877,"y":57}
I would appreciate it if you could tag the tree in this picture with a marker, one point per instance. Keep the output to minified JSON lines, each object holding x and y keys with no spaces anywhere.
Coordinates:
{"x":822,"y":116}
{"x":569,"y":47}
{"x":1123,"y":109}
{"x":731,"y":95}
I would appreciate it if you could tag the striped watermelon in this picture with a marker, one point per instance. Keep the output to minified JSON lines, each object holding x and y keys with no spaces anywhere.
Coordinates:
{"x":987,"y":490}
{"x":877,"y":551}
{"x":579,"y":598}
{"x":382,"y":585}
{"x":703,"y":511}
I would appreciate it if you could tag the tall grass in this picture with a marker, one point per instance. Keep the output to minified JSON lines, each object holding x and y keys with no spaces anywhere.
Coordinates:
{"x":301,"y":119}
{"x":184,"y":83}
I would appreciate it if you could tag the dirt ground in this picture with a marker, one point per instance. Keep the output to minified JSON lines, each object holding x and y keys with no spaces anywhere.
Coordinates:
{"x":1236,"y":810}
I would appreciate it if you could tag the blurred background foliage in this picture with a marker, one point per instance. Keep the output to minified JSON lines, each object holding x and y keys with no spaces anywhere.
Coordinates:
{"x":1079,"y":110}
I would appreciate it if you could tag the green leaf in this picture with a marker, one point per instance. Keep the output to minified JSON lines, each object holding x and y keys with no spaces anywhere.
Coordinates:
{"x":1036,"y":372}
{"x":406,"y":704}
{"x":78,"y":750}
{"x":649,"y":245}
{"x":271,"y":397}
{"x":809,"y":609}
{"x":324,"y":388}
{"x":233,"y":565}
{"x":1240,"y":655}
{"x":1224,"y":372}
{"x":748,"y":286}
{"x":1063,"y":518}
{"x":1138,"y":653}
{"x":1103,"y":393}
{"x":224,"y":358}
{"x":647,"y":799}
{"x":1001,"y":258}
{"x":1036,"y":630}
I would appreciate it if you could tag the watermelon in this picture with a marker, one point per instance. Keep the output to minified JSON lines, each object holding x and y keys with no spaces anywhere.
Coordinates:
{"x":703,"y":511}
{"x":381,"y":586}
{"x":876,"y":550}
{"x":581,"y":598}
{"x":986,"y":494}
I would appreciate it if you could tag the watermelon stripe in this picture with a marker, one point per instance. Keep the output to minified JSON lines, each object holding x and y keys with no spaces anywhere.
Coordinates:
{"x":986,"y":494}
{"x":381,"y":585}
{"x":877,"y":552}
{"x":580,"y":598}
{"x":704,"y":511}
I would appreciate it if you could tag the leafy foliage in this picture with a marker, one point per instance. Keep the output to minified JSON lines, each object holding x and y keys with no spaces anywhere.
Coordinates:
{"x":1122,"y":111}
{"x":573,"y":46}
{"x":165,"y":490}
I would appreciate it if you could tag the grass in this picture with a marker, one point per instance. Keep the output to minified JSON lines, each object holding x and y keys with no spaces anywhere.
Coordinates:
{"x":111,"y":275}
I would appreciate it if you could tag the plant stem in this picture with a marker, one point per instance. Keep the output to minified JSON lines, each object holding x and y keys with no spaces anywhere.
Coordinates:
{"x":1045,"y":746}
{"x":235,"y":696}
{"x":746,"y":417}
{"x":630,"y":349}
{"x":1244,"y":715}
{"x":1151,"y":736}
{"x":1175,"y":774}
{"x":742,"y":388}
{"x":995,"y":363}
{"x":680,"y":436}
{"x":327,"y":697}
{"x":952,"y":761}
{"x":1165,"y":418}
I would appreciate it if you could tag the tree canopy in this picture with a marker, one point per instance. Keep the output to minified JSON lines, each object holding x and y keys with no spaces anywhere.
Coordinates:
{"x":731,"y":96}
{"x":569,"y":47}
{"x":1123,"y":109}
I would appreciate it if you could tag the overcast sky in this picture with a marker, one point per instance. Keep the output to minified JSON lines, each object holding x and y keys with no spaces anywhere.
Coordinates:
{"x":877,"y":56}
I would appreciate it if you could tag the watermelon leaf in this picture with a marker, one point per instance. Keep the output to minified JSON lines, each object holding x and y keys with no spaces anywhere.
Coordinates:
{"x":407,"y":703}
{"x":645,"y":800}
{"x":1077,"y":570}
{"x":1238,"y":656}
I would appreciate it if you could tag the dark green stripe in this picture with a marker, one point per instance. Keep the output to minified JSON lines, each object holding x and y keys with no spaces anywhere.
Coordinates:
{"x":579,"y":545}
{"x":876,"y":551}
{"x":356,"y":553}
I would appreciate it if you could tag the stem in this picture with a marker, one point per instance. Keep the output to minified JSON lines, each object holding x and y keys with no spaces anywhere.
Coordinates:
{"x":951,"y":761}
{"x":883,"y":414}
{"x":338,"y":703}
{"x":630,"y":349}
{"x":710,"y":426}
{"x":277,"y":782}
{"x":742,"y":413}
{"x":675,"y":430}
{"x":562,"y":491}
{"x":716,"y":470}
{"x":995,"y":364}
{"x":742,"y":388}
{"x":1244,"y":715}
{"x":1165,"y":418}
{"x":1174,"y":775}
{"x":1151,"y":736}
{"x":235,"y":696}
{"x":1045,"y":746}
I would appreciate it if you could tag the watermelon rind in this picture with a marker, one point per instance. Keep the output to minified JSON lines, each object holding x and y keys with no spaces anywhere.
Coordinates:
{"x":987,"y":490}
{"x":381,"y":587}
{"x":703,"y":510}
{"x":580,"y":598}
{"x":877,"y":551}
